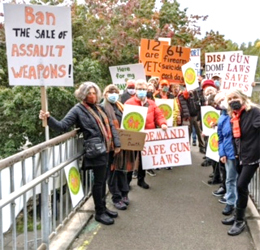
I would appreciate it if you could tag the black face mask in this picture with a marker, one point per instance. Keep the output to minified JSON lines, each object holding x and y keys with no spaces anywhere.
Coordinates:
{"x":149,"y":94}
{"x":235,"y":105}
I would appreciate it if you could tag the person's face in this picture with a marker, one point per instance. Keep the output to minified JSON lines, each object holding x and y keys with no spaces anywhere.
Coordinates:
{"x":91,"y":96}
{"x":92,"y":92}
{"x":233,"y":97}
{"x":175,"y":89}
{"x":141,"y":87}
{"x":150,"y":89}
{"x":209,"y":91}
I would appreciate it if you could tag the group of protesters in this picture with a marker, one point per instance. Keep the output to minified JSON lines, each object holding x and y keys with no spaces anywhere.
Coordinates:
{"x":99,"y":116}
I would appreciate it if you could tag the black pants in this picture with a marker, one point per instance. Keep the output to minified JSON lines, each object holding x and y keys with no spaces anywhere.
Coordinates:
{"x":99,"y":188}
{"x":140,"y":172}
{"x":117,"y":181}
{"x":245,"y":174}
{"x":223,"y":174}
{"x":193,"y":122}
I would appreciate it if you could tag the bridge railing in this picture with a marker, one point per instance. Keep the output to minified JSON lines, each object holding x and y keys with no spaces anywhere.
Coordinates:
{"x":36,"y":177}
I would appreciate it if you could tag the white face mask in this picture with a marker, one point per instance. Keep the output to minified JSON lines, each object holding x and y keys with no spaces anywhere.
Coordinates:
{"x":223,"y":104}
{"x":131,"y":91}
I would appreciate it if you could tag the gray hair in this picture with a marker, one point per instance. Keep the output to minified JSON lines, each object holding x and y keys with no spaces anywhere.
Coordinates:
{"x":83,"y":90}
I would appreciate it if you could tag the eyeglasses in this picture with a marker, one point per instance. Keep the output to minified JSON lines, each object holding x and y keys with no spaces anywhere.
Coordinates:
{"x":141,"y":89}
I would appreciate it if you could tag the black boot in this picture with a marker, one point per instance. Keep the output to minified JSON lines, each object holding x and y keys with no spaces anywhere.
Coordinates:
{"x":104,"y":219}
{"x":111,"y":213}
{"x":229,"y":221}
{"x":239,"y":224}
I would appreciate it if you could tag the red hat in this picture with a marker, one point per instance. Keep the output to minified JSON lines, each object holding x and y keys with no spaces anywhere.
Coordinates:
{"x":130,"y":83}
{"x":208,"y":83}
{"x":164,"y":82}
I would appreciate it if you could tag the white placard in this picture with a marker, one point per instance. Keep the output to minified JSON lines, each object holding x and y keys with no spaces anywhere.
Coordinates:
{"x":190,"y":76}
{"x":39,"y":45}
{"x":209,"y":115}
{"x":212,"y":146}
{"x":214,"y":63}
{"x":170,"y":148}
{"x":134,"y":118}
{"x":195,"y":59}
{"x":239,"y":72}
{"x":166,"y":106}
{"x":121,"y":73}
{"x":74,"y":183}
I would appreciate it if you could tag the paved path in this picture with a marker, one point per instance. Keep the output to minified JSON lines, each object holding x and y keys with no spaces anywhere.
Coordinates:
{"x":178,"y":212}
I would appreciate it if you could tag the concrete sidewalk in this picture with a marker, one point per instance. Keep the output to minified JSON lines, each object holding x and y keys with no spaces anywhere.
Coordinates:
{"x":178,"y":212}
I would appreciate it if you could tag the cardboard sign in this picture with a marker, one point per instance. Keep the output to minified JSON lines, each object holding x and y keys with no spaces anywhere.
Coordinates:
{"x":39,"y":45}
{"x":131,"y":140}
{"x":190,"y":76}
{"x":195,"y":59}
{"x":150,"y":56}
{"x":166,"y":106}
{"x":171,"y":61}
{"x":74,"y":183}
{"x":209,"y":115}
{"x":214,"y":63}
{"x":170,"y":148}
{"x":122,"y":73}
{"x":239,"y":72}
{"x":212,"y":146}
{"x":134,"y":118}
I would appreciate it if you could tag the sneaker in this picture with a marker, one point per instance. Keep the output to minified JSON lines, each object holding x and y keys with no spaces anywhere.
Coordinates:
{"x":125,"y":200}
{"x":169,"y":168}
{"x":194,"y":143}
{"x":151,"y":172}
{"x":134,"y":176}
{"x":211,"y":175}
{"x":202,"y":151}
{"x":222,"y":200}
{"x":220,"y":192}
{"x":228,"y":209}
{"x":120,"y":205}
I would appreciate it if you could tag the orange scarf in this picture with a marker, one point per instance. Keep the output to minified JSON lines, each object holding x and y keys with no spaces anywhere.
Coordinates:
{"x":235,"y":120}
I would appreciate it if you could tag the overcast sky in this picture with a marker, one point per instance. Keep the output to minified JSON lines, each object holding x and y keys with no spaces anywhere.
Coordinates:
{"x":236,"y":19}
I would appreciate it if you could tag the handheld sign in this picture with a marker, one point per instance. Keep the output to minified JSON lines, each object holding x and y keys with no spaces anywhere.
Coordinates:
{"x":209,"y":115}
{"x":195,"y":59}
{"x":190,"y":76}
{"x":166,"y":106}
{"x":212,"y":146}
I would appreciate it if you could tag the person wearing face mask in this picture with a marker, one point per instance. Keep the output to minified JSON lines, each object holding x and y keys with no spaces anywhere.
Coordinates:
{"x":93,"y":122}
{"x":150,"y":91}
{"x":129,"y":92}
{"x":123,"y":162}
{"x":227,"y":155}
{"x":154,"y":119}
{"x":217,"y":81}
{"x":245,"y":120}
{"x":164,"y":92}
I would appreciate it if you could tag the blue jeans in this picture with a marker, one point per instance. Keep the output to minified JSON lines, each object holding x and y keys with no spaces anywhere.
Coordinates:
{"x":231,"y":182}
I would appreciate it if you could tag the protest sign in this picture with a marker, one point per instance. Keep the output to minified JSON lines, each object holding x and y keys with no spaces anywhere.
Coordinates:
{"x":212,"y":146}
{"x":195,"y":59}
{"x":172,"y":58}
{"x":39,"y":45}
{"x":166,"y":106}
{"x":150,"y":56}
{"x":214,"y":62}
{"x":170,"y":148}
{"x":190,"y":76}
{"x":239,"y":72}
{"x":134,"y":118}
{"x":74,"y":183}
{"x":122,"y":73}
{"x":131,"y":140}
{"x":209,"y":115}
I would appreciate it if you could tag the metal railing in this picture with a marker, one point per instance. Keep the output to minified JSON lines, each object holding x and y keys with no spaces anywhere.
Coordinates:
{"x":254,"y":189}
{"x":35,"y":177}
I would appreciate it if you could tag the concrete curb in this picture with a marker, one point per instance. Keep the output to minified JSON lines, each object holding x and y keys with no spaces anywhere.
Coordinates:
{"x":253,"y":223}
{"x":73,"y":228}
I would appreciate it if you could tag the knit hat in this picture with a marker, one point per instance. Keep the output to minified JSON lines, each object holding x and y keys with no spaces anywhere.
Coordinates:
{"x":130,"y":83}
{"x":208,"y":83}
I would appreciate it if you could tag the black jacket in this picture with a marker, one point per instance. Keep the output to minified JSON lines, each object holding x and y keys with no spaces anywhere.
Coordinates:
{"x":81,"y":118}
{"x":249,"y":151}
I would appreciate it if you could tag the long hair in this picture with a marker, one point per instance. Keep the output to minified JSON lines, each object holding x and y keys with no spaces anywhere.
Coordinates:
{"x":245,"y":100}
{"x":83,"y":90}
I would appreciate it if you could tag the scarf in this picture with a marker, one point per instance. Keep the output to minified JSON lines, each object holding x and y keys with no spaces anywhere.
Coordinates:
{"x":104,"y":127}
{"x":235,"y":121}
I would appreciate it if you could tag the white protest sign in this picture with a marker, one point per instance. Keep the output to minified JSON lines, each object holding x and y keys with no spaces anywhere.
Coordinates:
{"x":74,"y":183}
{"x":134,"y":118}
{"x":166,"y":106}
{"x":195,"y":59}
{"x":120,"y":74}
{"x":170,"y":148}
{"x":39,"y":45}
{"x":214,"y":63}
{"x":190,"y":76}
{"x":212,"y":146}
{"x":209,"y":115}
{"x":239,"y":72}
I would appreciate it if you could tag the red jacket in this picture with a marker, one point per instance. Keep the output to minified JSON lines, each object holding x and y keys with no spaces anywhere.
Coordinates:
{"x":154,"y":116}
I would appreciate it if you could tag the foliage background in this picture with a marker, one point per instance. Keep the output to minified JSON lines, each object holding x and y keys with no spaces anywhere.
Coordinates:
{"x":104,"y":34}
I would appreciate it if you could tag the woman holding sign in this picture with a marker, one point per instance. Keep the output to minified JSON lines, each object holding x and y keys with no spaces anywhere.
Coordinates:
{"x":154,"y":119}
{"x":98,"y":130}
{"x":245,"y":120}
